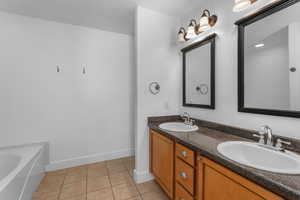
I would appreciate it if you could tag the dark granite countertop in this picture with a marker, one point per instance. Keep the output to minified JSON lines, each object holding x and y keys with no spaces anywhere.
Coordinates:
{"x":206,"y":140}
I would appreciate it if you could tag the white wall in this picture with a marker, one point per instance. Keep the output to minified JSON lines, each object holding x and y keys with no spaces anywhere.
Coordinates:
{"x":76,"y":113}
{"x":157,"y":59}
{"x":226,"y":75}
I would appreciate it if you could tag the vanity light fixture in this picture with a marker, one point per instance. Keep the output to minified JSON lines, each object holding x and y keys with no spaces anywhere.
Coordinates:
{"x":205,"y":23}
{"x":240,"y":5}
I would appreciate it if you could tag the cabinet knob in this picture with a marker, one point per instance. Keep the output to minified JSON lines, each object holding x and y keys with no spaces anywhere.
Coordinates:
{"x":184,"y":153}
{"x":183,"y":175}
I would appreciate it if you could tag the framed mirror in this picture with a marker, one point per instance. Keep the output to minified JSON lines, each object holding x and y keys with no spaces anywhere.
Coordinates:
{"x":199,"y":74}
{"x":269,"y":60}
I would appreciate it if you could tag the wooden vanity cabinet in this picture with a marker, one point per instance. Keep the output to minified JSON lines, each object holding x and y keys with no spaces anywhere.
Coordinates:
{"x":215,"y":182}
{"x":185,"y":175}
{"x":162,"y":161}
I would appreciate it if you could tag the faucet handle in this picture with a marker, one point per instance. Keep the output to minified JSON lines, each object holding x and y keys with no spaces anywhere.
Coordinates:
{"x":279,"y":143}
{"x":261,"y":137}
{"x":192,"y":122}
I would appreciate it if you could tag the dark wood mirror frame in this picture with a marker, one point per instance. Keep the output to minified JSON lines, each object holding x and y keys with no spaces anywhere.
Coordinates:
{"x":242,"y":23}
{"x":210,"y":39}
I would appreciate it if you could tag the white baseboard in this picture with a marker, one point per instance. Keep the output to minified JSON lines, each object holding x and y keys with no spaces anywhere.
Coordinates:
{"x":61,"y":164}
{"x":141,"y":177}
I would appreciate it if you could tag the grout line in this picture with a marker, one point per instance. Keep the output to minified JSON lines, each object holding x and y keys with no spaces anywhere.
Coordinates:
{"x":135,"y":185}
{"x":111,"y":187}
{"x":62,"y":185}
{"x":86,"y":182}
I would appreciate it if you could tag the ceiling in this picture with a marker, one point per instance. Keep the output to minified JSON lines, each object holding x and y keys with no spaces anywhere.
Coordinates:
{"x":110,"y":15}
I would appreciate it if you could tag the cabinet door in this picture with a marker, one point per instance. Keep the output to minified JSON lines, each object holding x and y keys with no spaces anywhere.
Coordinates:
{"x":155,"y":153}
{"x":227,"y":189}
{"x":215,"y":182}
{"x":162,"y":161}
{"x":166,"y":162}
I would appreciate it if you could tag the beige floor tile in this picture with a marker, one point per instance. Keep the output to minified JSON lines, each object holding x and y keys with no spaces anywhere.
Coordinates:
{"x":154,"y":195}
{"x":80,"y":197}
{"x":121,"y":178}
{"x":104,"y":194}
{"x":51,"y":178}
{"x":97,"y":183}
{"x":94,"y":179}
{"x":49,"y":188}
{"x":114,"y":162}
{"x":73,"y":189}
{"x":77,"y":170}
{"x":72,"y":178}
{"x":136,"y":198}
{"x":98,"y":164}
{"x":150,"y":186}
{"x":57,"y":172}
{"x":117,"y":169}
{"x":122,"y":192}
{"x":45,"y":196}
{"x":78,"y":173}
{"x":131,"y":172}
{"x":97,"y":172}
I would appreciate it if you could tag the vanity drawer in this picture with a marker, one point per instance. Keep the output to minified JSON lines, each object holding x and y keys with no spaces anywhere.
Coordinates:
{"x":181,"y":193}
{"x":185,"y":175}
{"x":185,"y":154}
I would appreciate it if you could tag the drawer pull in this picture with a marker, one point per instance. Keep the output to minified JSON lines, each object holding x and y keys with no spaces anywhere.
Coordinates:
{"x":184,"y":153}
{"x":181,"y":198}
{"x":183,"y":175}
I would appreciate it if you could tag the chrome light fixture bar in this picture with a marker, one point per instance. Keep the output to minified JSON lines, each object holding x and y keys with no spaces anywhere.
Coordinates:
{"x":240,"y":5}
{"x":205,"y":23}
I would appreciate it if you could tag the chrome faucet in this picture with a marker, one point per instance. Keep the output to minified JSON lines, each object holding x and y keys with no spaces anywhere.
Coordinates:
{"x":187,"y":119}
{"x":266,"y":139}
{"x":267,"y":131}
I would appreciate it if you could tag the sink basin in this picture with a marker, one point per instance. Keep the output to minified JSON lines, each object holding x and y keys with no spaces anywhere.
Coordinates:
{"x":257,"y":156}
{"x":178,"y":127}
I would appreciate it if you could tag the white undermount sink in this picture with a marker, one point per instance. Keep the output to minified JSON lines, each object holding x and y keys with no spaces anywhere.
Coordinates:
{"x":257,"y":156}
{"x":178,"y":127}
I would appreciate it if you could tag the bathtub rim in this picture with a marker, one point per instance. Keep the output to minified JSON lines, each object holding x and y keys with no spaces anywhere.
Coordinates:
{"x":23,"y":162}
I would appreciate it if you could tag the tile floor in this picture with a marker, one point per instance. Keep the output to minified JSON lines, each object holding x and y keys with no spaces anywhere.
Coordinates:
{"x":109,"y":180}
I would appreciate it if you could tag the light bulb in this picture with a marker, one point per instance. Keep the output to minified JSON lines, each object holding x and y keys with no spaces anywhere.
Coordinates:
{"x":181,"y":35}
{"x":240,"y":5}
{"x":204,"y":24}
{"x":191,"y":32}
{"x":204,"y":21}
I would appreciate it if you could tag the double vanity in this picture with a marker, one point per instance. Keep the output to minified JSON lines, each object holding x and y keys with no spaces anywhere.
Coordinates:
{"x":195,"y":159}
{"x":209,"y":161}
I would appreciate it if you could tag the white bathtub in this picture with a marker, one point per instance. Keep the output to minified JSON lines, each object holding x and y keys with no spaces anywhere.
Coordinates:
{"x":21,"y":170}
